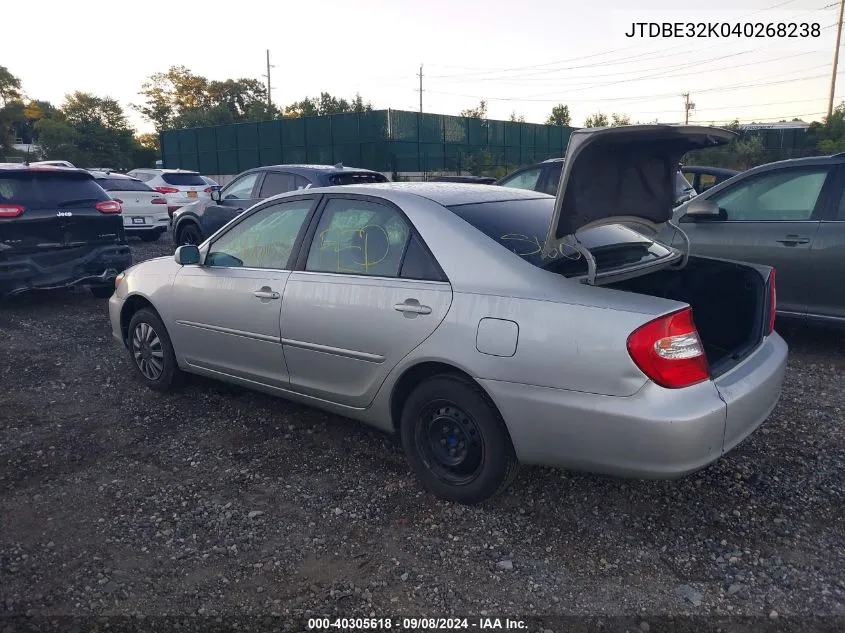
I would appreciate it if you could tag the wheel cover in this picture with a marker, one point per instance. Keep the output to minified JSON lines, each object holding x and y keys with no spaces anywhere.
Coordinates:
{"x":190,"y":237}
{"x":450,"y":442}
{"x":147,"y":351}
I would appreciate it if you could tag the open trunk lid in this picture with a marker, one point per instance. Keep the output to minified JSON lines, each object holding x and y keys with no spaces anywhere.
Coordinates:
{"x":622,"y":175}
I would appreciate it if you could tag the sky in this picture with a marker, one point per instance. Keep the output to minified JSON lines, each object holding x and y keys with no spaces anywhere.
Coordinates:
{"x":521,"y":57}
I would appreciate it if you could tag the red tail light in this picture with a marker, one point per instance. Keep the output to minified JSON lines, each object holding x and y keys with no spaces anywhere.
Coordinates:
{"x":108,"y":206}
{"x":158,"y":201}
{"x":10,"y":210}
{"x":167,"y":190}
{"x":207,"y":190}
{"x":669,"y":351}
{"x":773,"y":301}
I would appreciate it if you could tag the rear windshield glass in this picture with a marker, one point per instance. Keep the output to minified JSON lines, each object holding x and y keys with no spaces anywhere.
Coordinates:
{"x":122,"y":184}
{"x":44,"y":190}
{"x":521,"y":227}
{"x":356,"y":178}
{"x":184,"y":180}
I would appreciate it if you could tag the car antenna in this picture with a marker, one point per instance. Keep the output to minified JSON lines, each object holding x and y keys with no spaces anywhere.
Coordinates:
{"x":339,"y":165}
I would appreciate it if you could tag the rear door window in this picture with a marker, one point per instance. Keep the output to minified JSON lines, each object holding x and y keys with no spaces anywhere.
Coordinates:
{"x":183,"y":180}
{"x":275,"y":183}
{"x":44,"y":190}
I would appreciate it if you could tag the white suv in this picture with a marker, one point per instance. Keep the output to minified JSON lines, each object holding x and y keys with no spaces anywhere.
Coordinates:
{"x":178,"y":186}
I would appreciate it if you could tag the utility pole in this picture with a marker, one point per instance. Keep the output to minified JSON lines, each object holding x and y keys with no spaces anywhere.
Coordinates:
{"x":269,"y":97}
{"x":835,"y":59}
{"x":420,"y":75}
{"x":688,"y":105}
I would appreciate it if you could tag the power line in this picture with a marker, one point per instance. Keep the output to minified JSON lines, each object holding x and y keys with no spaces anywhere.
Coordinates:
{"x":698,"y":90}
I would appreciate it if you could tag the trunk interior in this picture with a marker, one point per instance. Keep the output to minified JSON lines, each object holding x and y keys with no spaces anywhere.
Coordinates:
{"x":728,"y":300}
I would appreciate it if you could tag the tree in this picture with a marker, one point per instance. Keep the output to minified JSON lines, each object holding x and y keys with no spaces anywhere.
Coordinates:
{"x":619,"y":120}
{"x":179,"y":98}
{"x":560,"y":116}
{"x":517,"y":118}
{"x":89,"y":130}
{"x":749,"y":150}
{"x":478,"y":112}
{"x":150,"y":141}
{"x":326,"y":104}
{"x":10,"y":87}
{"x":596,"y":120}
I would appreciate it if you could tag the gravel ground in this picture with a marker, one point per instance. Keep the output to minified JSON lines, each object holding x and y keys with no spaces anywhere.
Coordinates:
{"x":212,"y":500}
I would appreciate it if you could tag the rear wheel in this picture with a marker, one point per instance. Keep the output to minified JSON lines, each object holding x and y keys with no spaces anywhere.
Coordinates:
{"x":456,"y":442}
{"x":190,"y":234}
{"x":151,"y":236}
{"x":151,"y":351}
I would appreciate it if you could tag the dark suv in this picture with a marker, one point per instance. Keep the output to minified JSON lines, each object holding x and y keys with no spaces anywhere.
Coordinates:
{"x":545,"y":176}
{"x":58,"y":229}
{"x":193,"y":223}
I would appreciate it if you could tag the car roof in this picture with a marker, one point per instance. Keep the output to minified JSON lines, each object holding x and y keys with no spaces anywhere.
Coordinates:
{"x":158,"y":170}
{"x":323,"y":169}
{"x":109,"y":174}
{"x":447,"y":194}
{"x":58,"y":169}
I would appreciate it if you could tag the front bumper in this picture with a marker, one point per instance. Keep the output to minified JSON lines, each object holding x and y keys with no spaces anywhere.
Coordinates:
{"x":655,"y":434}
{"x":42,"y":272}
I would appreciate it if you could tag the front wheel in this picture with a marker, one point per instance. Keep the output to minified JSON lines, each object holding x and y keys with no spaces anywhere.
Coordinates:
{"x":189,"y":234}
{"x":456,"y":442}
{"x":151,"y":351}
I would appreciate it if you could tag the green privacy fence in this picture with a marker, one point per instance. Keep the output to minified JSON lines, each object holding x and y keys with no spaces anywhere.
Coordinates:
{"x":383,"y":140}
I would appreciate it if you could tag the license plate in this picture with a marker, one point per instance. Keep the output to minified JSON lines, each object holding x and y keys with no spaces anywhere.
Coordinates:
{"x":137,"y":220}
{"x":192,"y":194}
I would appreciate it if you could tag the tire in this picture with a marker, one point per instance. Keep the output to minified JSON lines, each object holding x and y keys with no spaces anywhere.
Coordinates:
{"x":150,"y":237}
{"x":102,"y":292}
{"x":456,"y":442}
{"x":189,"y":234}
{"x":160,"y":375}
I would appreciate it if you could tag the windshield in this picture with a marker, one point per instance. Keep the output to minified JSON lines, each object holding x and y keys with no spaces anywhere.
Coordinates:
{"x":123,"y":184}
{"x":521,"y":227}
{"x":182,"y":179}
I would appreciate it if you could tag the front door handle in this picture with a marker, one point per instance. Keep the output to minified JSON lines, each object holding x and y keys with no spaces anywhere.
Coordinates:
{"x":412,"y":306}
{"x":266,"y":293}
{"x":794,"y":240}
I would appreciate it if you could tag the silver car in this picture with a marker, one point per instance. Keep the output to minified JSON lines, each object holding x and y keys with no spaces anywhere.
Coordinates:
{"x":486,"y":325}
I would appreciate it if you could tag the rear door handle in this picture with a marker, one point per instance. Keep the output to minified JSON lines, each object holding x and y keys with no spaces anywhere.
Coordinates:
{"x":412,"y":306}
{"x":794,"y":240}
{"x":266,"y":293}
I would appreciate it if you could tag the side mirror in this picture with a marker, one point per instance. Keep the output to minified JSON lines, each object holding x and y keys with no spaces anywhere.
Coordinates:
{"x":187,"y":254}
{"x":702,"y":209}
{"x":215,"y":195}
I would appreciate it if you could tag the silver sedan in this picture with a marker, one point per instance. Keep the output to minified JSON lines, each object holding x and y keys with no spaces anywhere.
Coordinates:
{"x":487,"y":326}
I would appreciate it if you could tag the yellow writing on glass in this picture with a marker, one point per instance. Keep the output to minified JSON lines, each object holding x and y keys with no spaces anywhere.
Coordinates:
{"x":370,"y":250}
{"x":530,"y":245}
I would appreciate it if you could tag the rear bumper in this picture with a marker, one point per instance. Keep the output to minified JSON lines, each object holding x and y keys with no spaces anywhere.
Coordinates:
{"x":92,"y":267}
{"x":655,"y":434}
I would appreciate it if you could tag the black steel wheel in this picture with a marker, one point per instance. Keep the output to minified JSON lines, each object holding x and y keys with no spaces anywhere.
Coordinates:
{"x":456,"y":441}
{"x":151,"y":351}
{"x":190,"y":234}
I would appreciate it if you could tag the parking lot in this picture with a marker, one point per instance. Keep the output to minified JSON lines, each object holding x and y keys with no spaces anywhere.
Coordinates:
{"x":214,"y":500}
